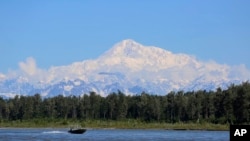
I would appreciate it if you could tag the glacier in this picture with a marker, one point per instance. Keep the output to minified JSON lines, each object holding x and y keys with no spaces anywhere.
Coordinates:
{"x":129,"y":67}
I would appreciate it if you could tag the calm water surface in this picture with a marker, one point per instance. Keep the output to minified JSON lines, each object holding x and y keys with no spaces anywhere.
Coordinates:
{"x":111,"y":135}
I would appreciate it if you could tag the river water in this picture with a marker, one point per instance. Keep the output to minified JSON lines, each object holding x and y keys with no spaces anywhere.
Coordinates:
{"x":49,"y":134}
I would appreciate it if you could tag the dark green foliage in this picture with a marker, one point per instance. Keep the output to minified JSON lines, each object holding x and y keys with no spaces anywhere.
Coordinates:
{"x":231,"y":106}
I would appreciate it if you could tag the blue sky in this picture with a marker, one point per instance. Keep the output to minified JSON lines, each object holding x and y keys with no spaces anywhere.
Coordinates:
{"x":61,"y":32}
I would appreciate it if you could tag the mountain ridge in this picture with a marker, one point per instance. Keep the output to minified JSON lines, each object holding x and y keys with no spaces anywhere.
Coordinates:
{"x":128,"y":66}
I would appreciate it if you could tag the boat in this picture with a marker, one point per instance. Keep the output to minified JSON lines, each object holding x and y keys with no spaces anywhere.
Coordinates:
{"x":77,"y":130}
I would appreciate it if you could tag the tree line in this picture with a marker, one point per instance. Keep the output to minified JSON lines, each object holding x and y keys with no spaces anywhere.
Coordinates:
{"x":230,"y":106}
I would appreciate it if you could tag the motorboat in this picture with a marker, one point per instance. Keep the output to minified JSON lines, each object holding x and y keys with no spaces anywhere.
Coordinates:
{"x":77,"y":130}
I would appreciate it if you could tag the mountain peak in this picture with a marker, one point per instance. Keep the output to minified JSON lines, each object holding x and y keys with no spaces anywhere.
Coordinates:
{"x":128,"y":43}
{"x":126,"y":47}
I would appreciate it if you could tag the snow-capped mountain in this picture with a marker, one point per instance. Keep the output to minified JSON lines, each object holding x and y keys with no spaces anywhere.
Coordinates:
{"x":129,"y":67}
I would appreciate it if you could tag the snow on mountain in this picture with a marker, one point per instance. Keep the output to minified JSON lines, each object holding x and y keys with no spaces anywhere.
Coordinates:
{"x":129,"y":67}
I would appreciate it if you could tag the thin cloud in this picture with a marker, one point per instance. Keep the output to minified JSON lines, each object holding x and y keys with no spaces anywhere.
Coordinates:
{"x":29,"y":66}
{"x":2,"y":76}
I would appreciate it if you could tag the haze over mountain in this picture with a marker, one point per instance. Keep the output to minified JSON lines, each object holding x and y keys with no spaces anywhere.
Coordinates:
{"x":129,"y":67}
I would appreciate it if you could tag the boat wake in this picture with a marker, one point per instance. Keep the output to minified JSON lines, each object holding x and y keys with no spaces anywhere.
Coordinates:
{"x":53,"y":132}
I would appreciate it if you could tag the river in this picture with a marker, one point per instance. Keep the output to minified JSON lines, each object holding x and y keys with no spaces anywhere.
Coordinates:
{"x":51,"y":134}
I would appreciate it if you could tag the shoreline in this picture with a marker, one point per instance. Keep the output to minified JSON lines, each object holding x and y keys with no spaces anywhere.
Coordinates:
{"x":112,"y":124}
{"x":1,"y":128}
{"x":114,"y":128}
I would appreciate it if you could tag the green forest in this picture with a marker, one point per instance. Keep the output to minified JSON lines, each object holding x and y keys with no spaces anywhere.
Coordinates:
{"x":230,"y":106}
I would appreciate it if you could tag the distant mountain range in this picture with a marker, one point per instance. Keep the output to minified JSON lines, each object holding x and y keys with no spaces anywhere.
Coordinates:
{"x":129,"y":67}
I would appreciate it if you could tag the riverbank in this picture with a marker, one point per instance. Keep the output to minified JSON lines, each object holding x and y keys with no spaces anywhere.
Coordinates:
{"x":125,"y":124}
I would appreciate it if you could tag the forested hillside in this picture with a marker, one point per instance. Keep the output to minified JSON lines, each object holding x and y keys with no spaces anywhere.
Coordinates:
{"x":221,"y":106}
